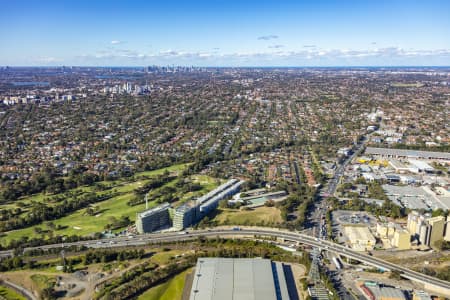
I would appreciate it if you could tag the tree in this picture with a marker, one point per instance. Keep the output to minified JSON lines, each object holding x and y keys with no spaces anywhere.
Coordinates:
{"x":269,"y":203}
{"x":439,"y":212}
{"x":442,"y":245}
{"x":48,"y":293}
{"x":17,"y":262}
{"x":51,"y":225}
{"x":395,"y":275}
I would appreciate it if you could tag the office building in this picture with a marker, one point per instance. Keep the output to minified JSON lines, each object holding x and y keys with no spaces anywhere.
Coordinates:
{"x":238,"y":279}
{"x":189,"y":213}
{"x":184,"y":216}
{"x":210,"y":201}
{"x":153,"y":219}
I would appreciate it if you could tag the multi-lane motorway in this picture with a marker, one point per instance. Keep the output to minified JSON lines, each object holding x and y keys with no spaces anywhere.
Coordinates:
{"x":253,"y":233}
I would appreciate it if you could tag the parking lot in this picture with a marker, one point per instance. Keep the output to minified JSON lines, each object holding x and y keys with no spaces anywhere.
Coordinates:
{"x":346,"y":217}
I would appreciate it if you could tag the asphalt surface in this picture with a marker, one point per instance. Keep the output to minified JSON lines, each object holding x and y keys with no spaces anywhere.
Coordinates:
{"x":250,"y":231}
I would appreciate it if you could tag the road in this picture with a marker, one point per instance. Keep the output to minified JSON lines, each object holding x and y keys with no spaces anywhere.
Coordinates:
{"x":317,"y":216}
{"x":251,"y":231}
{"x":339,"y":172}
{"x":21,"y":290}
{"x":319,"y":209}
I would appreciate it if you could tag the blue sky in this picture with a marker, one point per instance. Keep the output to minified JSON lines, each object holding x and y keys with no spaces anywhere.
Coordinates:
{"x":225,"y":33}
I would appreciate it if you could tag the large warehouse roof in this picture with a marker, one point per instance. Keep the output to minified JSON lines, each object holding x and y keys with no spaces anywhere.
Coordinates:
{"x":407,"y":153}
{"x":238,"y":279}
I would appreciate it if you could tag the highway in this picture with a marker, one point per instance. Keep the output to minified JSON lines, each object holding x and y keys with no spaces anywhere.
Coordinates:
{"x":320,"y":207}
{"x":251,"y":231}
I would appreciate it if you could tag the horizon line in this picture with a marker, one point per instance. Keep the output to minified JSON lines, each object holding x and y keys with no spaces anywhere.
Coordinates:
{"x":195,"y":66}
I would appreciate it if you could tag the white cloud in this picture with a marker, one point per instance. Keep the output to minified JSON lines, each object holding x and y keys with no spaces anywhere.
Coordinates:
{"x":48,"y":59}
{"x":116,"y":42}
{"x":273,"y":56}
{"x":267,"y":37}
{"x":276,"y":46}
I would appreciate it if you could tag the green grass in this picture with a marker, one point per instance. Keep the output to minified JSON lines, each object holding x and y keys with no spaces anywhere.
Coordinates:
{"x":174,"y":168}
{"x":79,"y":223}
{"x":208,"y":183}
{"x":169,"y":290}
{"x":120,"y":185}
{"x":10,"y":294}
{"x":164,"y":257}
{"x":42,"y":281}
{"x":249,"y":217}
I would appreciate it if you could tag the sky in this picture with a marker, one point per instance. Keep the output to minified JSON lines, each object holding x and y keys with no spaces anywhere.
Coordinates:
{"x":225,"y":33}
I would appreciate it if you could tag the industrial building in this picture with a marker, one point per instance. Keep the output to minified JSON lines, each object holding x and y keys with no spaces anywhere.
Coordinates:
{"x":387,"y":152}
{"x":414,"y":166}
{"x":385,"y":230}
{"x":238,"y":279}
{"x":437,"y":226}
{"x":153,"y":219}
{"x":418,"y":166}
{"x":414,"y":197}
{"x":359,"y":237}
{"x":375,"y":291}
{"x":401,"y":239}
{"x":425,"y":229}
{"x":447,"y":230}
{"x":421,"y":295}
{"x":393,"y":233}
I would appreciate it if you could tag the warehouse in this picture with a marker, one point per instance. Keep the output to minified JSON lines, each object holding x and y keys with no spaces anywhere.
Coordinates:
{"x":387,"y":152}
{"x":378,"y":292}
{"x":414,"y":197}
{"x":238,"y":279}
{"x":360,"y":237}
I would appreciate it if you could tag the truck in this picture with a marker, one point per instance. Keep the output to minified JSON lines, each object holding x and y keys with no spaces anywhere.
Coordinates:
{"x":236,"y":228}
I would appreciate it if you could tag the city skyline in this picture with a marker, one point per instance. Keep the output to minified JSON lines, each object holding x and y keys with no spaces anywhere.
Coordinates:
{"x":260,"y":34}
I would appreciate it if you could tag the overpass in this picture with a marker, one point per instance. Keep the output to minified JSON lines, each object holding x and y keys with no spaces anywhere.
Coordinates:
{"x":140,"y":240}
